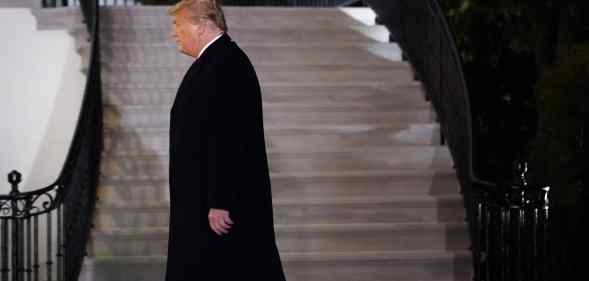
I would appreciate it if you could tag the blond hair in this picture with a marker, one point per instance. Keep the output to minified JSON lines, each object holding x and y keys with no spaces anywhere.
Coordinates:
{"x":201,"y":9}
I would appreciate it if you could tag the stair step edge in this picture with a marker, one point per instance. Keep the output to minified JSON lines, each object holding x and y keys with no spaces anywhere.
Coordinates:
{"x":388,"y":173}
{"x":297,"y":228}
{"x":398,"y":256}
{"x":340,"y":200}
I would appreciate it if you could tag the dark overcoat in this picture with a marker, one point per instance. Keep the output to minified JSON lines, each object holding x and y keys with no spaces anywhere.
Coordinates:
{"x":218,"y":160}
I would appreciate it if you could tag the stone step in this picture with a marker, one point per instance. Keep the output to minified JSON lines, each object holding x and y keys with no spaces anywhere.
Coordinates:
{"x":129,"y":117}
{"x":400,"y":74}
{"x":130,"y":142}
{"x":59,"y":18}
{"x":310,"y":37}
{"x":149,"y":241}
{"x":16,"y":3}
{"x":128,"y":104}
{"x":112,"y":212}
{"x":363,"y":159}
{"x":367,"y":96}
{"x":153,"y":188}
{"x":260,"y":17}
{"x":258,"y":13}
{"x":337,"y":266}
{"x":282,"y":128}
{"x":252,"y":17}
{"x":261,"y":53}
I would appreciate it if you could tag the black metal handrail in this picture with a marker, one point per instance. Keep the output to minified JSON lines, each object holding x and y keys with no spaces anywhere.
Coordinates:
{"x":61,"y":212}
{"x":508,"y":221}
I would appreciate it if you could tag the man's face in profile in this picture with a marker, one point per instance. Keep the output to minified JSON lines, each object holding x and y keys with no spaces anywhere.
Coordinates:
{"x":185,"y":34}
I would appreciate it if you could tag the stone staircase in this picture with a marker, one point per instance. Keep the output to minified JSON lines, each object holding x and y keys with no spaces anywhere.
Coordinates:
{"x":15,"y":3}
{"x":361,"y":190}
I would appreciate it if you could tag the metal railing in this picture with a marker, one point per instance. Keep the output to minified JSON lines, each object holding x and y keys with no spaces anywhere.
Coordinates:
{"x":508,"y":221}
{"x":49,"y":227}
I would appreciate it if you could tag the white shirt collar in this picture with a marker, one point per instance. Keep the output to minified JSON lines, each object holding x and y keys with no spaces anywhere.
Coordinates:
{"x":208,"y":44}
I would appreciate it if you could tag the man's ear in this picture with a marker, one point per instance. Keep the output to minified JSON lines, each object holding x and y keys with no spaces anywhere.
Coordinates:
{"x":201,"y":28}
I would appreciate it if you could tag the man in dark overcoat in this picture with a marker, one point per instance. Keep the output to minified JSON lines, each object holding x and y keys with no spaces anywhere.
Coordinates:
{"x":221,"y":217}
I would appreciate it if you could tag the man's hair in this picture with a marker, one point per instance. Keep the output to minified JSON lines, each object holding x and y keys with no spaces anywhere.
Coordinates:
{"x":196,"y":10}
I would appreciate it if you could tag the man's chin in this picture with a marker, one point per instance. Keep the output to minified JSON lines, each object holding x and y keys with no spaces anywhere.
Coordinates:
{"x":181,"y":50}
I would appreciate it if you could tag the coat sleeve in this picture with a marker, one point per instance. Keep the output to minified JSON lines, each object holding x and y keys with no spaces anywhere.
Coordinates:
{"x":225,"y":145}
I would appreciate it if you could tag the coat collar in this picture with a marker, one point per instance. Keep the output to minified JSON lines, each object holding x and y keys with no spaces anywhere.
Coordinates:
{"x":210,"y":42}
{"x":215,"y":49}
{"x":218,"y":46}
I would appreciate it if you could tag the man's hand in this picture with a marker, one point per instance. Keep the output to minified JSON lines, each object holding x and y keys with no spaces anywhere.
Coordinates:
{"x":219,"y":221}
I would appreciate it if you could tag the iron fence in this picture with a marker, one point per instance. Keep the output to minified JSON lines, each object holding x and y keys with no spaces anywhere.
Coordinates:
{"x":511,"y":223}
{"x":43,"y":233}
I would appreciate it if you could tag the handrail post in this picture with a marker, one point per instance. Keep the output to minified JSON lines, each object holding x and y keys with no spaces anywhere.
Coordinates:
{"x":14,"y":178}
